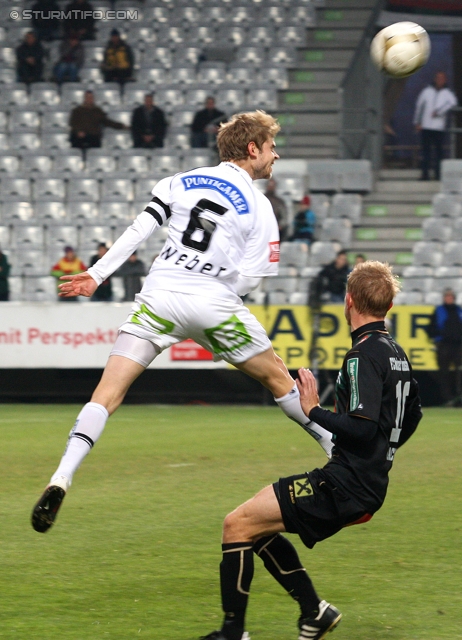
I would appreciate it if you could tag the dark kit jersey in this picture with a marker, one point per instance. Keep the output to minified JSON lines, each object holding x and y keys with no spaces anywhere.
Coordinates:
{"x":377,"y":410}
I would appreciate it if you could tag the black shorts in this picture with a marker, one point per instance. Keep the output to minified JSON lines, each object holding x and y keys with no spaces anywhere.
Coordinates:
{"x":313,"y":507}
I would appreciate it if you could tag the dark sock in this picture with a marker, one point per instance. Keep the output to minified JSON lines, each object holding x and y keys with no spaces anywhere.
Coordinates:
{"x":236,"y":573}
{"x":281,"y":560}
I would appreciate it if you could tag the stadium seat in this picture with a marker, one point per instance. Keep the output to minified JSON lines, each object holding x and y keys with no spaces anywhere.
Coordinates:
{"x":36,"y":161}
{"x":135,"y":161}
{"x":320,"y":204}
{"x":68,"y":161}
{"x":3,"y":121}
{"x":5,"y":236}
{"x":182,"y":116}
{"x":436,"y":229}
{"x":356,"y":175}
{"x":92,"y":235}
{"x":241,"y":74}
{"x":322,"y":253}
{"x":292,"y":187}
{"x":107,"y":96}
{"x":81,"y":211}
{"x":16,"y":208}
{"x":59,"y":236}
{"x":112,"y":211}
{"x":336,"y":230}
{"x":154,"y":76}
{"x":427,"y":254}
{"x":324,"y":175}
{"x":291,"y":35}
{"x":29,"y":263}
{"x":99,"y":161}
{"x":212,"y":73}
{"x":456,"y":229}
{"x":165,"y":163}
{"x":134,"y":95}
{"x":169,"y":97}
{"x":157,"y":54}
{"x":287,"y":285}
{"x":408,"y":297}
{"x":252,"y":55}
{"x":92,"y":77}
{"x":262,"y":98}
{"x":28,"y":236}
{"x":50,"y":210}
{"x":274,"y":14}
{"x":7,"y":57}
{"x":281,"y":55}
{"x":231,"y":99}
{"x":276,"y":76}
{"x":417,"y":284}
{"x":299,"y":297}
{"x":277,"y":297}
{"x":261,"y":35}
{"x":116,"y":190}
{"x":143,"y":188}
{"x":71,"y":95}
{"x":234,"y":36}
{"x":44,"y":93}
{"x":294,"y":254}
{"x":9,"y":162}
{"x":452,"y":254}
{"x":20,"y":141}
{"x":448,"y":278}
{"x":447,"y":205}
{"x":184,"y":74}
{"x":242,"y":15}
{"x":83,"y":190}
{"x":4,"y":142}
{"x":40,"y":288}
{"x":14,"y":189}
{"x":346,"y":206}
{"x":433,"y":298}
{"x":7,"y":76}
{"x":55,"y":140}
{"x":94,"y":54}
{"x":451,"y":176}
{"x":16,"y":284}
{"x":196,"y":158}
{"x":113,"y":139}
{"x":178,"y":138}
{"x":49,"y":189}
{"x":196,"y":96}
{"x":303,"y":14}
{"x":24,"y":121}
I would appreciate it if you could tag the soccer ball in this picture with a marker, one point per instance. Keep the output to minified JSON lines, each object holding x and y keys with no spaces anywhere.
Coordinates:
{"x":400,"y":49}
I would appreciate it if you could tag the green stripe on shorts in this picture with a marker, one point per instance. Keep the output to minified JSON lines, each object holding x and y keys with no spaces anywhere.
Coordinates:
{"x":228,"y":336}
{"x":145,"y":317}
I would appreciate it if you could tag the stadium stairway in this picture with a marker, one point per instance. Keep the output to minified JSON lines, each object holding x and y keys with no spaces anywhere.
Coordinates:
{"x":309,"y":108}
{"x":392,"y":217}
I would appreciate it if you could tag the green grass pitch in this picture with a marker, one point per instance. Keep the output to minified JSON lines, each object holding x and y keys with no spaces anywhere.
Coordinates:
{"x":136,"y":547}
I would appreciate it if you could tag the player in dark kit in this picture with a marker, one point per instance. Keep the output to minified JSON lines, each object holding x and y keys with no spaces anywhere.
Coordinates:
{"x":377,"y":410}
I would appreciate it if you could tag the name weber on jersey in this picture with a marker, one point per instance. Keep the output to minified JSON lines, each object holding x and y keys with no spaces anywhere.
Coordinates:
{"x":190,"y":262}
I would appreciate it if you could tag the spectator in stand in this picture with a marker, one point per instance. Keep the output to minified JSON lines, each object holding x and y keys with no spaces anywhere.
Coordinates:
{"x":279,"y":208}
{"x":359,"y":258}
{"x":71,"y":57}
{"x":332,"y":279}
{"x":430,"y":120}
{"x":132,"y":271}
{"x":446,"y":330}
{"x":149,"y":125}
{"x":69,"y":265}
{"x":46,"y":25}
{"x":304,"y":222}
{"x":104,"y":292}
{"x":204,"y":127}
{"x":29,"y":56}
{"x":118,"y":60}
{"x":87,"y":122}
{"x":4,"y":273}
{"x":82,"y":21}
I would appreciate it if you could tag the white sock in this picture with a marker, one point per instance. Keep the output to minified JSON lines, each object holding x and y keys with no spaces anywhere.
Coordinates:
{"x":290,"y":404}
{"x":87,"y":429}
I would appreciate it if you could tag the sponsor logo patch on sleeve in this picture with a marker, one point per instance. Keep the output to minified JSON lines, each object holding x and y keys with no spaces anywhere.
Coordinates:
{"x":274,"y":251}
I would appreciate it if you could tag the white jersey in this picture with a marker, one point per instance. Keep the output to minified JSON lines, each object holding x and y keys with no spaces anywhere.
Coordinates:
{"x":221,"y":227}
{"x":432,"y":107}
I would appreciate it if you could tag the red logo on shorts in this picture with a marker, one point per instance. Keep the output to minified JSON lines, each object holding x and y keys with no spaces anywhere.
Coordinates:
{"x":274,"y":251}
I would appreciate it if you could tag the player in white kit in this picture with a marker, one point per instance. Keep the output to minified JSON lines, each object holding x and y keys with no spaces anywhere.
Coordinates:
{"x":222,"y":239}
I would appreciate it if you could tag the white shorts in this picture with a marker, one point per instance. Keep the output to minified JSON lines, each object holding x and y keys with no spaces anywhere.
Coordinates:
{"x":225,"y":328}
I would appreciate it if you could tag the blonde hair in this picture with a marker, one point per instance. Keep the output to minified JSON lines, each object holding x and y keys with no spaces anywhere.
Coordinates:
{"x":372,"y":287}
{"x":234,"y":136}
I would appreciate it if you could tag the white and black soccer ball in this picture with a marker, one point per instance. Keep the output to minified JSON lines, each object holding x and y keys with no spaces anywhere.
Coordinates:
{"x":400,"y":49}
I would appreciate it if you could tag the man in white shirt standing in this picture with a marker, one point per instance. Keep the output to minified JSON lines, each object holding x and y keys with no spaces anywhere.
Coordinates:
{"x":223,"y":238}
{"x":430,"y":119}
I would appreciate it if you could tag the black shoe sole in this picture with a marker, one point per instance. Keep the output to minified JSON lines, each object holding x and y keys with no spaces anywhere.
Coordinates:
{"x":335,"y":624}
{"x":45,"y":511}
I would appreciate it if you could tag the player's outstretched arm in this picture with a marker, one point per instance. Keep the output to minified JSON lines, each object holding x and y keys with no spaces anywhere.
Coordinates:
{"x":81,"y":284}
